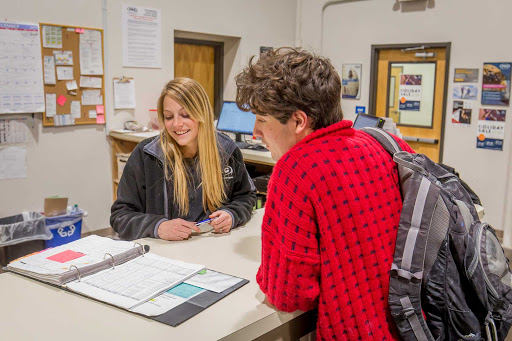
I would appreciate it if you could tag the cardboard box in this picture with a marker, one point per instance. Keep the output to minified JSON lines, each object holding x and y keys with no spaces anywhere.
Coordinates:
{"x":55,"y":206}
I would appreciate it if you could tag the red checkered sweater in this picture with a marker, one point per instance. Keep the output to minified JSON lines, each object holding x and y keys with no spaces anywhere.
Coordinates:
{"x":328,"y":234}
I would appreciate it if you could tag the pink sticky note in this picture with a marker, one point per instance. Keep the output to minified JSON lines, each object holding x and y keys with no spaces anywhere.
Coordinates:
{"x":100,"y":109}
{"x":79,"y":30}
{"x":61,"y":100}
{"x":100,"y":119}
{"x":65,"y":256}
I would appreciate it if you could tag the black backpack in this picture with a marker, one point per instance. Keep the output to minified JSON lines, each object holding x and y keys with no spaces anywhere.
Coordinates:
{"x":450,"y":279}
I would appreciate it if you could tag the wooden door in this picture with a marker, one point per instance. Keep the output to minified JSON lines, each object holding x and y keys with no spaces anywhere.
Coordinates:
{"x":410,"y":88}
{"x":196,"y":62}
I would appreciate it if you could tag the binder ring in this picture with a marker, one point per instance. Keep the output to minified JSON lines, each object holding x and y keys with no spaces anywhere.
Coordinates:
{"x":142,"y":248}
{"x":79,"y":276}
{"x":113,"y":262}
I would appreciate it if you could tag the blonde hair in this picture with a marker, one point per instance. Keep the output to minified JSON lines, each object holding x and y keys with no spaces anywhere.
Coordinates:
{"x":193,"y":98}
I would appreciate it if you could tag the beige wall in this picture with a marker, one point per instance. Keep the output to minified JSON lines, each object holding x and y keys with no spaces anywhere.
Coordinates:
{"x":75,"y":161}
{"x":345,"y":31}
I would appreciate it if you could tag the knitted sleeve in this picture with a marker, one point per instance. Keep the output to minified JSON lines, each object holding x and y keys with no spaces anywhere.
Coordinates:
{"x":290,"y":261}
{"x":404,"y":145}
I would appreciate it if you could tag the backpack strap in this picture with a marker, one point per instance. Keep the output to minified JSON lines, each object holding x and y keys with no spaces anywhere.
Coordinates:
{"x":384,"y":138}
{"x":408,"y":261}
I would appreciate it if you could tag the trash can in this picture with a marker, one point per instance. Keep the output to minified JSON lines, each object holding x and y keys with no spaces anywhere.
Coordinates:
{"x":22,"y":234}
{"x":64,"y":228}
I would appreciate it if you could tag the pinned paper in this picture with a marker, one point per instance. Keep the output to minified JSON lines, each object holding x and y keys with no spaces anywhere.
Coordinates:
{"x":92,"y":97}
{"x":75,"y":109}
{"x":79,"y":30}
{"x":92,"y":114}
{"x":64,"y":73}
{"x":100,"y":119}
{"x":63,"y":57}
{"x":100,"y":109}
{"x":61,"y":100}
{"x":65,"y":256}
{"x":49,"y":70}
{"x":51,"y":106}
{"x":71,"y":85}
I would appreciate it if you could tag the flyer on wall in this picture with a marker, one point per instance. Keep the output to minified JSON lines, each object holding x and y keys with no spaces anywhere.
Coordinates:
{"x":350,"y":81}
{"x":466,"y":75}
{"x":491,"y":129}
{"x":496,"y":84}
{"x":461,"y":113}
{"x":409,"y":92}
{"x":465,"y":92}
{"x":141,"y":36}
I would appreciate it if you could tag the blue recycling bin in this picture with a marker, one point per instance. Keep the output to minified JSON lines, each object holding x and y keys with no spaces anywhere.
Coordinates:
{"x":64,"y":228}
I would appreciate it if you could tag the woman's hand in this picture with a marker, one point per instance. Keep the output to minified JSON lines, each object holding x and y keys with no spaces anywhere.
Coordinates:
{"x":176,"y":229}
{"x":222,"y":222}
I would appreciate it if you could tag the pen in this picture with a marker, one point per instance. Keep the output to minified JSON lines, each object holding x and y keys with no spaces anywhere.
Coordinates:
{"x":205,"y":221}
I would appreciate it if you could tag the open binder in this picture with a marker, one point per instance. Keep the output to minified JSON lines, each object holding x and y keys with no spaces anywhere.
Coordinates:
{"x":124,"y":274}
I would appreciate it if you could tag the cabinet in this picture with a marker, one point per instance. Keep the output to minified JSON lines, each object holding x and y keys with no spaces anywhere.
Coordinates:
{"x":124,"y":143}
{"x":257,"y":162}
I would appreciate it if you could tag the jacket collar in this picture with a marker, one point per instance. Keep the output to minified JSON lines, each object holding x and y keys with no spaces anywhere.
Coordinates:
{"x":153,"y":148}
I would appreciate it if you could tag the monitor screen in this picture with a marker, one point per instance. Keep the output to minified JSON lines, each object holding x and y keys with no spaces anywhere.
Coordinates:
{"x":363,"y":121}
{"x":234,"y":120}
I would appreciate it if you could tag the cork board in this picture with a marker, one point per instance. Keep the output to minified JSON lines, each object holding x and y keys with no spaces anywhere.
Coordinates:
{"x":70,"y":46}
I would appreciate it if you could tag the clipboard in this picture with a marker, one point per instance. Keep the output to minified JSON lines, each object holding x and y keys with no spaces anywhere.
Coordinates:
{"x":124,"y":92}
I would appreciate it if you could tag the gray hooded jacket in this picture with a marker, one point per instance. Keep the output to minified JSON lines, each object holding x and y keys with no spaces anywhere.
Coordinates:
{"x":145,"y":198}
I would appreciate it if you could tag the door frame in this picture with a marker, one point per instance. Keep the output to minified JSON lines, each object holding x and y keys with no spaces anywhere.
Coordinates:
{"x":218,"y":72}
{"x":375,"y":49}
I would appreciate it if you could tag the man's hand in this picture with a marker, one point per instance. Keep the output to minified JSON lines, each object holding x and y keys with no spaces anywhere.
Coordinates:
{"x":176,"y":229}
{"x":222,"y":222}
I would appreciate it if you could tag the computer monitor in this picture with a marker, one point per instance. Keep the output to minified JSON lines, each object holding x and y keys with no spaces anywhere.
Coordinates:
{"x":234,"y":120}
{"x":363,"y":121}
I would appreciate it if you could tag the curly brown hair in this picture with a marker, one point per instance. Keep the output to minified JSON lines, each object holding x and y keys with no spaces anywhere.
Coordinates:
{"x":286,"y":80}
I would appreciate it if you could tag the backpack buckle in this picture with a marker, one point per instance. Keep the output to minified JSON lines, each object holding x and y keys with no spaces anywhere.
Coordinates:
{"x":408,"y":312}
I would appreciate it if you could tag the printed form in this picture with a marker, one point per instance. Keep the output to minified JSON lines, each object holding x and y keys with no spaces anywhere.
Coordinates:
{"x":136,"y":281}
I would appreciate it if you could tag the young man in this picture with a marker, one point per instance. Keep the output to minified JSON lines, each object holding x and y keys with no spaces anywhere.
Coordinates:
{"x":333,"y":203}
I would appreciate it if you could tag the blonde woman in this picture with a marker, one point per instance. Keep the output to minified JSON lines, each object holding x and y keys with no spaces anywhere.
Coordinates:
{"x":188,"y":173}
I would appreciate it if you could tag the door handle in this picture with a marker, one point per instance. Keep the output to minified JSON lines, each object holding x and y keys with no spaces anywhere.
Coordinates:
{"x":420,"y":139}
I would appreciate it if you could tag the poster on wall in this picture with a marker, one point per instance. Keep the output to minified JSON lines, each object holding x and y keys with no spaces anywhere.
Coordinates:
{"x":461,"y":112}
{"x":21,"y":71}
{"x":496,"y":84}
{"x":350,"y":81}
{"x":409,"y":92}
{"x":491,"y":129}
{"x":264,"y":49}
{"x":465,"y":92}
{"x":142,"y":44}
{"x":466,"y":76}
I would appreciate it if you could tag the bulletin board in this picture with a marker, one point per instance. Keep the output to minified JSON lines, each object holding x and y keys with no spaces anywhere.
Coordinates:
{"x":69,"y":41}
